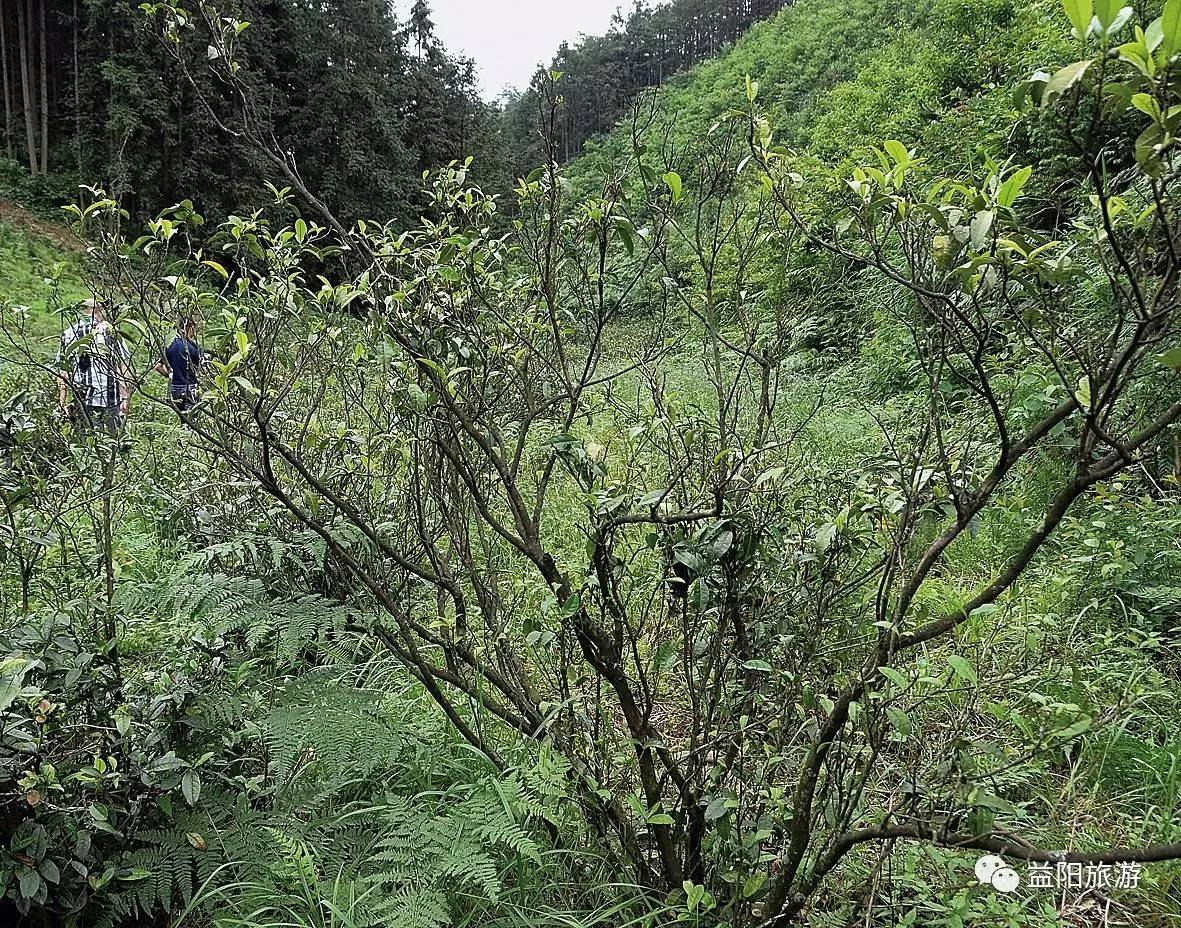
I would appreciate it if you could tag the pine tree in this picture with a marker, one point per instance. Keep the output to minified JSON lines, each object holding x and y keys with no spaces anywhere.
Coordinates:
{"x":7,"y":83}
{"x":44,"y":93}
{"x":422,"y":27}
{"x":24,"y":9}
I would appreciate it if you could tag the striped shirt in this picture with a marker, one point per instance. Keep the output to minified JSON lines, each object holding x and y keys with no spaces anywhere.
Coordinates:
{"x":98,"y":369}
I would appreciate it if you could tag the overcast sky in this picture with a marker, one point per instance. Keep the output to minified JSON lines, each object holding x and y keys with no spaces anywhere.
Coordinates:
{"x":510,"y":38}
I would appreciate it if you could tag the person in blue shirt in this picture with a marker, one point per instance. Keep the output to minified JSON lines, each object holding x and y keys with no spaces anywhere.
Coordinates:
{"x":181,"y":364}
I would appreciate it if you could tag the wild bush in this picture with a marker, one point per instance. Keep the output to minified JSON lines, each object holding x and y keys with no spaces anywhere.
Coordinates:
{"x":692,"y":649}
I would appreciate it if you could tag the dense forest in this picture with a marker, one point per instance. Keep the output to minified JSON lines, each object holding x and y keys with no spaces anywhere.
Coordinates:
{"x":748,"y":498}
{"x":89,"y":93}
{"x":363,"y":102}
{"x":603,"y":75}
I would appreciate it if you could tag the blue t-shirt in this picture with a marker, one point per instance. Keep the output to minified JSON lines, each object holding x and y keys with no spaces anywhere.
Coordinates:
{"x":183,"y":358}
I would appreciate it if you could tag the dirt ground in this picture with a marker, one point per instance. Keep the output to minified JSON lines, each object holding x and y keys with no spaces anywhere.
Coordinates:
{"x":21,"y":219}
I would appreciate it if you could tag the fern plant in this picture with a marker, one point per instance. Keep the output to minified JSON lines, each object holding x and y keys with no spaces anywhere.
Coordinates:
{"x":347,"y":836}
{"x":256,"y":767}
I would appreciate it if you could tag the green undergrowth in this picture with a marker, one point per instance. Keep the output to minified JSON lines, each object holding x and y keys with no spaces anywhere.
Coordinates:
{"x":36,"y":277}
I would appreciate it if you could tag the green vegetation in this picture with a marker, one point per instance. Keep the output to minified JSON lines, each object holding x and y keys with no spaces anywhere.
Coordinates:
{"x":603,"y":75}
{"x":38,"y":273}
{"x":29,"y":261}
{"x":835,"y":77}
{"x":90,"y":92}
{"x":751,"y":523}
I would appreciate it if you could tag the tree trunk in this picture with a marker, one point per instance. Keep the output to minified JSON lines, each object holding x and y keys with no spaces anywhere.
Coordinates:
{"x":77,"y":97}
{"x":23,"y":17}
{"x":7,"y":82}
{"x":44,"y":96}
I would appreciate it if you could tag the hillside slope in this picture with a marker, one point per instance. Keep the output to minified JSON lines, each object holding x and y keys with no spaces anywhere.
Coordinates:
{"x":836,"y":76}
{"x":40,"y":267}
{"x":33,"y":249}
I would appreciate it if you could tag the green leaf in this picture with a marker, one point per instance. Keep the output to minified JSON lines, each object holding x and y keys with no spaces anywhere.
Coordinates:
{"x":900,"y":720}
{"x":1107,"y":11}
{"x":673,"y":180}
{"x":893,"y":676}
{"x":49,"y":870}
{"x":1065,"y":78}
{"x":1011,"y":189}
{"x":30,"y":883}
{"x":12,"y":678}
{"x":753,"y":884}
{"x":1149,"y":147}
{"x":169,"y":762}
{"x":981,"y":226}
{"x":246,"y":386}
{"x":35,"y":842}
{"x":1079,"y":12}
{"x":1137,"y":55}
{"x":1147,"y":105}
{"x":213,"y":265}
{"x":1171,"y":27}
{"x":897,"y":151}
{"x":716,"y":809}
{"x":1122,"y":17}
{"x":772,"y":473}
{"x":1153,"y":35}
{"x":627,"y":233}
{"x":962,"y":668}
{"x":1030,"y":92}
{"x":1071,"y":732}
{"x":190,"y":787}
{"x":1171,"y":358}
{"x":825,"y":536}
{"x":987,"y":800}
{"x":693,"y":895}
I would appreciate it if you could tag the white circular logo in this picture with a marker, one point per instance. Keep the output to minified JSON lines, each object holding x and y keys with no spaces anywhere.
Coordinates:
{"x":992,"y":870}
{"x":1006,"y":880}
{"x":987,"y":866}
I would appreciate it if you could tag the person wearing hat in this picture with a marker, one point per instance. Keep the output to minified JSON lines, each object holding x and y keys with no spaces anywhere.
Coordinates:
{"x":181,"y":364}
{"x":94,"y":379}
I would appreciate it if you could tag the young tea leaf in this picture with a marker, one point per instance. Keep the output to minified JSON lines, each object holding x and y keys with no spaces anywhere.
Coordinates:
{"x":1079,"y":12}
{"x":962,"y":668}
{"x":675,"y":186}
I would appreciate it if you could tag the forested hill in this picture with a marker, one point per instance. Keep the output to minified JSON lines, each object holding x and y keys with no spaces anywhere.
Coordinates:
{"x":91,"y":93}
{"x":602,"y":75}
{"x":365,"y":102}
{"x":837,"y":77}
